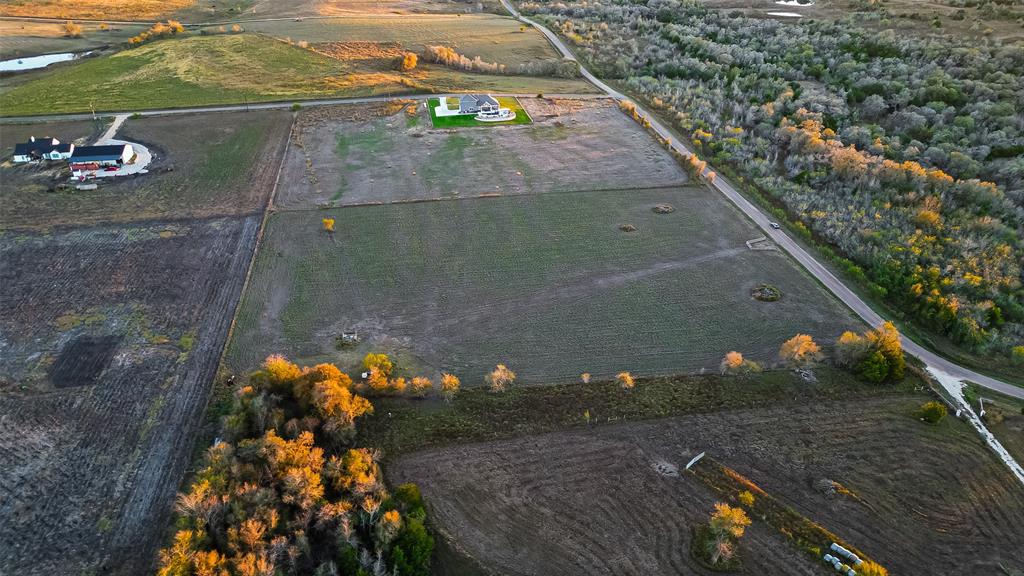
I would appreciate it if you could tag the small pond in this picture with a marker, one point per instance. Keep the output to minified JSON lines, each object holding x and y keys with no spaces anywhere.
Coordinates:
{"x":33,"y":62}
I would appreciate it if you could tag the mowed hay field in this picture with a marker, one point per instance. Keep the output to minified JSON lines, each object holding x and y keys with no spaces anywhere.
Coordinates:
{"x":109,"y":339}
{"x":545,"y":283}
{"x":927,"y":500}
{"x":218,"y":10}
{"x":491,"y":37}
{"x":215,"y":164}
{"x":571,"y":145}
{"x":240,"y":68}
{"x":93,"y":9}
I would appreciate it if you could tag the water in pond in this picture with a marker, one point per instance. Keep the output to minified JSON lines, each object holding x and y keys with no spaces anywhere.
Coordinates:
{"x":33,"y":62}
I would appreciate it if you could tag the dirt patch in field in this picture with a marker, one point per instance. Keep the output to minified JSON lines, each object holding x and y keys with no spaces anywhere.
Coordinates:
{"x":927,"y":499}
{"x":83,"y":360}
{"x":208,"y":165}
{"x":355,"y":51}
{"x":572,"y":145}
{"x":109,"y":339}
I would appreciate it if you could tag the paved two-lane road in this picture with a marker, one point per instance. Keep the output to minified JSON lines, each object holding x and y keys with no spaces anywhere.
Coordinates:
{"x":786,"y":243}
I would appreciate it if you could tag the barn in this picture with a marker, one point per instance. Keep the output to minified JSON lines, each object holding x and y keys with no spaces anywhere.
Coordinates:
{"x":93,"y":158}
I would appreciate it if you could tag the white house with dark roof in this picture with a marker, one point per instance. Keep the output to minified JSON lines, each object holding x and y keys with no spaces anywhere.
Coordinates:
{"x":42,"y":149}
{"x":484,"y":107}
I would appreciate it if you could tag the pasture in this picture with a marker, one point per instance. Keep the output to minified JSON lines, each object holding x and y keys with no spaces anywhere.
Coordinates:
{"x":491,"y":37}
{"x":572,"y":145}
{"x":93,"y":9}
{"x":236,"y":69}
{"x":20,"y":38}
{"x":200,"y":11}
{"x":548,"y":284}
{"x":221,"y":164}
{"x":602,"y":499}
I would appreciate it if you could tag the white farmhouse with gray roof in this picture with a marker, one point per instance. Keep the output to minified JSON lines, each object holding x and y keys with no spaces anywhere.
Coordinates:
{"x":475,"y":103}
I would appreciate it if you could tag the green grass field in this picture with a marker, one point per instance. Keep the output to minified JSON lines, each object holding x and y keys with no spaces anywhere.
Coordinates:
{"x":469,"y":121}
{"x":491,"y":37}
{"x":401,"y":425}
{"x":546,"y":283}
{"x":233,"y":69}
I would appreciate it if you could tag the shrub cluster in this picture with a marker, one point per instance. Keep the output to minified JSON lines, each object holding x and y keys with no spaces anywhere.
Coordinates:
{"x":286,"y":493}
{"x":156,"y":31}
{"x":932,"y":412}
{"x":876,"y":355}
{"x":449,"y":57}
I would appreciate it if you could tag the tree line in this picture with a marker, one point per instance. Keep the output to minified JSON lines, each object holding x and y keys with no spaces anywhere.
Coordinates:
{"x":285,"y":492}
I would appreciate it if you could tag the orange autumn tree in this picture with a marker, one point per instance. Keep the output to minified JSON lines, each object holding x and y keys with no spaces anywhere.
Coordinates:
{"x":286,"y":493}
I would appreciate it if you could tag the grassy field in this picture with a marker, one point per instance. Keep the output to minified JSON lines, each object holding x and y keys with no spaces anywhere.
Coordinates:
{"x":469,"y":121}
{"x":209,"y":165}
{"x":231,"y":69}
{"x":493,"y":38}
{"x":546,"y":283}
{"x":571,"y":145}
{"x":93,"y":9}
{"x":22,"y":38}
{"x":402,"y":426}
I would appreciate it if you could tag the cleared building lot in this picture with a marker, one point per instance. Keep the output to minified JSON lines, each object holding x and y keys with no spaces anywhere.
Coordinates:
{"x":572,"y":145}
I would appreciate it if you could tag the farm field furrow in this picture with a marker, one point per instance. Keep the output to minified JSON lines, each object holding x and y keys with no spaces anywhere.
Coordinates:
{"x":571,"y":145}
{"x":926,"y":499}
{"x":109,"y":338}
{"x":547,"y":284}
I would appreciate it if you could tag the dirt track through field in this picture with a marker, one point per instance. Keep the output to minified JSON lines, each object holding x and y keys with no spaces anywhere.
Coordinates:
{"x":589,"y":501}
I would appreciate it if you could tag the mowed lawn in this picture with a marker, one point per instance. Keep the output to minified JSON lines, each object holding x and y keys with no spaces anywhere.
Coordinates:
{"x":469,"y":120}
{"x":547,"y":284}
{"x":234,"y":69}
